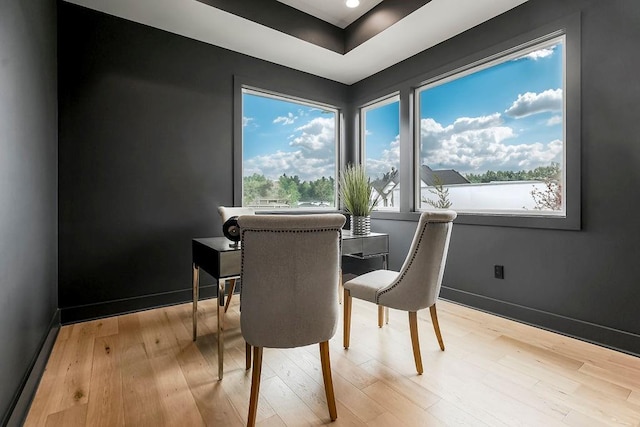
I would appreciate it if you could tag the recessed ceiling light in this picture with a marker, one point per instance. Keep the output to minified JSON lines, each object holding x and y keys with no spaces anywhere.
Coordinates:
{"x":353,"y":3}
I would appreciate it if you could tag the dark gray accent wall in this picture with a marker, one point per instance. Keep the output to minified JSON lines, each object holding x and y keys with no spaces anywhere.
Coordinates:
{"x":145,"y":156}
{"x":28,"y":189}
{"x":582,"y":283}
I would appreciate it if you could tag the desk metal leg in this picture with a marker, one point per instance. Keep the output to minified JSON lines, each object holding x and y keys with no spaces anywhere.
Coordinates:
{"x":195,"y":282}
{"x":221,"y":283}
{"x":385,"y":266}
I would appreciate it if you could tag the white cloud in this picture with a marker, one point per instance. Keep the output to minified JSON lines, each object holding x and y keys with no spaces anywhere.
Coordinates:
{"x":479,"y":144}
{"x":292,"y":163}
{"x":312,"y":155}
{"x":317,"y":135}
{"x":539,"y":54}
{"x":289,"y":119}
{"x":246,"y":121}
{"x":555,"y":120}
{"x":390,"y":158}
{"x":463,"y":124}
{"x":533,"y":103}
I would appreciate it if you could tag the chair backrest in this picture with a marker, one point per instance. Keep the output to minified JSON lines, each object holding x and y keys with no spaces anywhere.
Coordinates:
{"x":290,"y":267}
{"x":227,"y":212}
{"x":419,"y":280}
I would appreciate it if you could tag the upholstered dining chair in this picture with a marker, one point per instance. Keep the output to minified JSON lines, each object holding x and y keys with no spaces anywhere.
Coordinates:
{"x":415,"y":286}
{"x":289,"y":295}
{"x":226,"y":213}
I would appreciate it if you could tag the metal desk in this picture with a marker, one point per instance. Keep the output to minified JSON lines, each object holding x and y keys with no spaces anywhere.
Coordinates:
{"x":222,"y":261}
{"x":368,"y":246}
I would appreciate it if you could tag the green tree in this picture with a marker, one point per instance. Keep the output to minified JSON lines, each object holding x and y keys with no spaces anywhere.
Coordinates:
{"x":442,"y":194}
{"x":256,"y":186}
{"x":305,"y":191}
{"x":288,"y":188}
{"x":322,"y":190}
{"x":540,"y":173}
{"x":551,"y":196}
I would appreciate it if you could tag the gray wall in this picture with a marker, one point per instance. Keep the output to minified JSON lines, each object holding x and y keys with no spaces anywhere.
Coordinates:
{"x":146,"y":155}
{"x":583,"y":283}
{"x":28,"y":188}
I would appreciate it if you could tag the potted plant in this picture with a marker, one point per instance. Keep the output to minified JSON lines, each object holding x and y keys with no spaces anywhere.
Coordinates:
{"x":356,"y":192}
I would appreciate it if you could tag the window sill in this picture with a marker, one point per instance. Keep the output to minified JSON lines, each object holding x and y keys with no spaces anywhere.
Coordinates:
{"x":494,"y":220}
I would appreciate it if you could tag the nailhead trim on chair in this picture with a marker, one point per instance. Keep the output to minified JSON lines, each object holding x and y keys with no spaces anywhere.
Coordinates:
{"x":315,"y":230}
{"x":424,"y":229}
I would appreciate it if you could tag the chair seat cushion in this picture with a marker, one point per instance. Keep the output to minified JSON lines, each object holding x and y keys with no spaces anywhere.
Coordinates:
{"x":365,"y":287}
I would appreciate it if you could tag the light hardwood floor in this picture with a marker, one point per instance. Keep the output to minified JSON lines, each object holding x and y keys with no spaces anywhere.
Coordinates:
{"x":142,"y":369}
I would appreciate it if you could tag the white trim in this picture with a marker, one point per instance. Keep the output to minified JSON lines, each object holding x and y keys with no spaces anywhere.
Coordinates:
{"x":253,"y":91}
{"x":372,"y":105}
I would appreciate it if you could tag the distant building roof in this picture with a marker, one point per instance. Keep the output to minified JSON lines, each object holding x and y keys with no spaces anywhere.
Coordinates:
{"x":447,"y":176}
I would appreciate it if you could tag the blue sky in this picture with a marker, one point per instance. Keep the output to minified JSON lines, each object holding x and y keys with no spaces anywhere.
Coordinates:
{"x":382,"y":148}
{"x":280,"y":136}
{"x":506,"y":117}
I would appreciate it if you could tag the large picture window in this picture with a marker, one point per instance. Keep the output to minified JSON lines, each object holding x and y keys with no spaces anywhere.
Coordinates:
{"x":289,"y":151}
{"x":380,"y":133}
{"x":491,"y":138}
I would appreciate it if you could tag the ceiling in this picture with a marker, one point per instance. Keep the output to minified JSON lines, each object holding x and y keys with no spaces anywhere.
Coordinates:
{"x":436,"y":21}
{"x":332,"y":11}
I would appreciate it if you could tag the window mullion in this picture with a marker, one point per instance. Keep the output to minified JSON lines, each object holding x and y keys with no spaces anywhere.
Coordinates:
{"x":407,"y":199}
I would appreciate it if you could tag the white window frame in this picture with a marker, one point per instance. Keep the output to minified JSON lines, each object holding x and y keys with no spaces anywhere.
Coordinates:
{"x":499,"y":58}
{"x":239,"y":145}
{"x":377,"y":103}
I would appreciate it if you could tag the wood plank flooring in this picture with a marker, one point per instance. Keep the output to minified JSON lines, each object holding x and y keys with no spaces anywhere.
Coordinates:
{"x":143,"y":369}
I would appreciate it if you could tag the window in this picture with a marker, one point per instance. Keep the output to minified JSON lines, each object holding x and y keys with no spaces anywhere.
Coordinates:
{"x":289,"y":155}
{"x":380,"y":130}
{"x":491,"y":138}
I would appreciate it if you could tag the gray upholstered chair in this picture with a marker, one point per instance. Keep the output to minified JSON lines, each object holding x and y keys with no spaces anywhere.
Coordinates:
{"x":416,"y":286}
{"x":289,"y":295}
{"x":226,"y":213}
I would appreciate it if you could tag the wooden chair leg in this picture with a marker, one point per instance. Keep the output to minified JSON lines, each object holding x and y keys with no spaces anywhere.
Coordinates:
{"x":247,"y":355}
{"x":232,"y":287}
{"x":347,"y":318}
{"x":413,"y":327}
{"x":328,"y":383}
{"x":436,"y":325}
{"x":380,"y":316}
{"x":255,"y":386}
